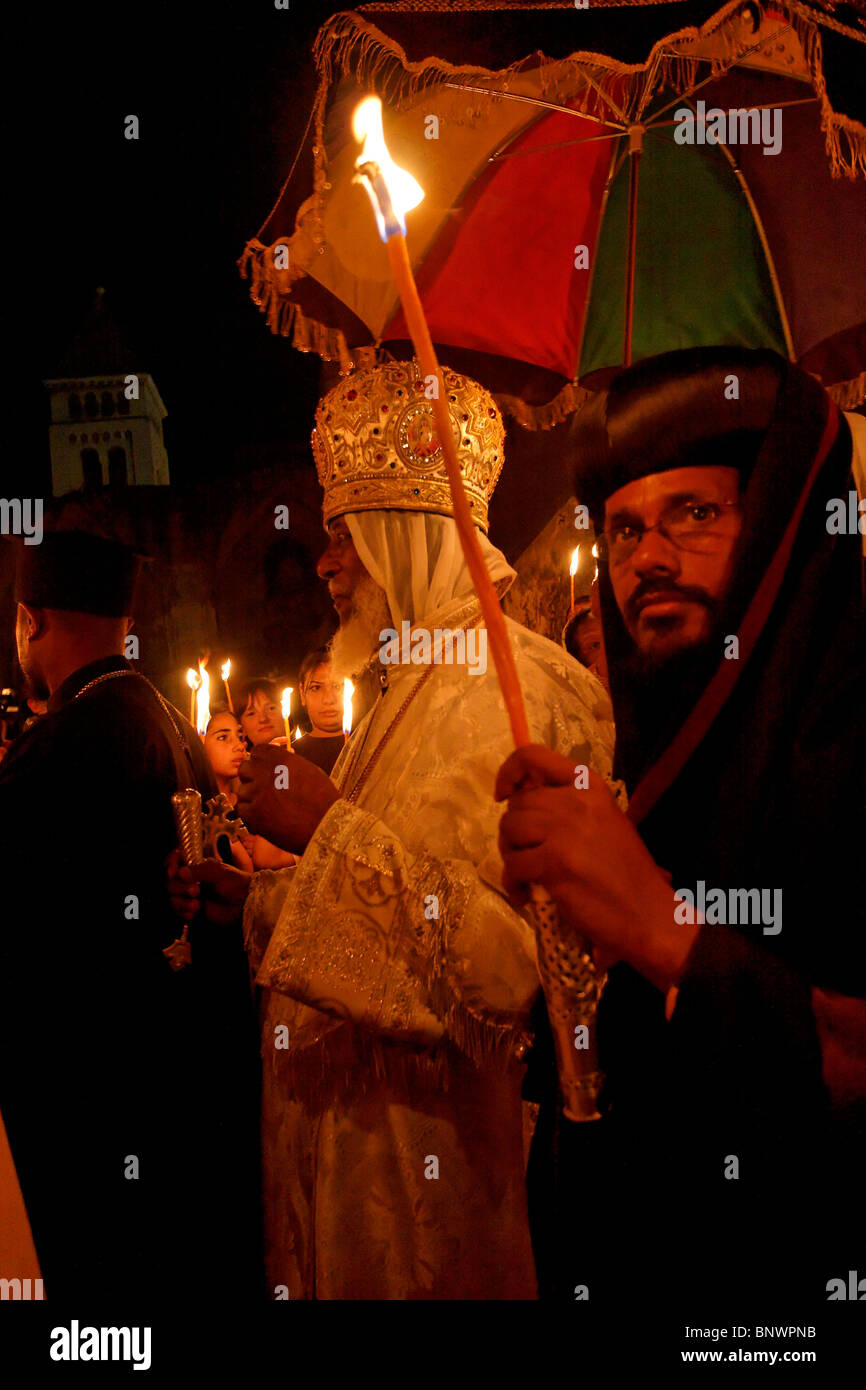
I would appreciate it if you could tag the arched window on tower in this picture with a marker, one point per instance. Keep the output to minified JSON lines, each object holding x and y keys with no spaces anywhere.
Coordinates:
{"x":107,"y":404}
{"x":91,"y":468}
{"x":75,"y":407}
{"x":91,"y":405}
{"x":117,"y":467}
{"x":122,"y":404}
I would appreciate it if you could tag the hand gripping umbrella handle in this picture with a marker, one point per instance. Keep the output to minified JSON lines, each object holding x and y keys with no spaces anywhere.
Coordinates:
{"x":572,"y":988}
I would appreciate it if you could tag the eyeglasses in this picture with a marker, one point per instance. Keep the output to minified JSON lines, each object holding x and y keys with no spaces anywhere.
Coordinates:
{"x":694,"y":526}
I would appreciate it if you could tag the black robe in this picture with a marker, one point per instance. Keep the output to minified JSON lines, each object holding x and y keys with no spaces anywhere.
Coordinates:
{"x":128,"y":1089}
{"x":643,"y":1206}
{"x":324,"y":752}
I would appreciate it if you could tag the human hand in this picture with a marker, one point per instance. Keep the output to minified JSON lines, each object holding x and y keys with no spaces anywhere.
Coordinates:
{"x":226,"y":887}
{"x":183,"y":890}
{"x":287,"y":815}
{"x":576,"y":843}
{"x":264,"y":855}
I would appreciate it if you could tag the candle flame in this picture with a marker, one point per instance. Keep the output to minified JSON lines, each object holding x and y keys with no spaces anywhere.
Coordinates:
{"x":404,"y":192}
{"x":348,"y":692}
{"x":286,"y":702}
{"x":202,"y":700}
{"x":193,"y":679}
{"x":299,"y":733}
{"x":595,"y":552}
{"x":575,"y":560}
{"x":226,"y":668}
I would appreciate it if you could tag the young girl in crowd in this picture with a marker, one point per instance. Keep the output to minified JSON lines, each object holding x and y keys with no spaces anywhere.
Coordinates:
{"x":260,"y":714}
{"x":226,"y":750}
{"x":322,"y":698}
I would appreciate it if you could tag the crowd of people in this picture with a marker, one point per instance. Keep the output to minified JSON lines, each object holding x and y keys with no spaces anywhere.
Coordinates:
{"x":352,"y":1088}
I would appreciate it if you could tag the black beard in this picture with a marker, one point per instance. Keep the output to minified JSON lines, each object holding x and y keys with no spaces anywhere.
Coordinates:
{"x":658,"y":674}
{"x":651,"y":671}
{"x":662,"y":692}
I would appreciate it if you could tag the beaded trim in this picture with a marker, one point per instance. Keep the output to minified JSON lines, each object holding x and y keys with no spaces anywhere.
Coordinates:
{"x":112,"y":675}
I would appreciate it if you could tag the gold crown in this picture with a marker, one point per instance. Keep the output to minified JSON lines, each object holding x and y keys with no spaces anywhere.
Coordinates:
{"x":375,"y":443}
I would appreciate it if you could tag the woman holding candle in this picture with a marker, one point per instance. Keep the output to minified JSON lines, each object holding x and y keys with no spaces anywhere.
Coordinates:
{"x":258,"y":705}
{"x":321,"y":697}
{"x":226,"y":750}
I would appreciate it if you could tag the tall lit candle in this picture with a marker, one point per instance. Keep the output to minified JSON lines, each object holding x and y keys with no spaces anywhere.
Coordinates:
{"x":225,"y":672}
{"x":393,"y":192}
{"x":193,"y":680}
{"x":348,"y":692}
{"x":202,"y":700}
{"x":572,"y":570}
{"x":595,"y":557}
{"x":286,"y":705}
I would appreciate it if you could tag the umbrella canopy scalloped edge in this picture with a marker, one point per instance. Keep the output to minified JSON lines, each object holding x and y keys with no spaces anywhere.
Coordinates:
{"x":348,"y":45}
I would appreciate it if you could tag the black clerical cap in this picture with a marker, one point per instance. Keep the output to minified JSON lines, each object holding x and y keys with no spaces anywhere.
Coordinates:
{"x":79,"y":572}
{"x":695,"y":407}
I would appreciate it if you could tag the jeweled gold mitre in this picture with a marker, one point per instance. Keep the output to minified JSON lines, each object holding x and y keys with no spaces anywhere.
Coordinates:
{"x":375,"y":443}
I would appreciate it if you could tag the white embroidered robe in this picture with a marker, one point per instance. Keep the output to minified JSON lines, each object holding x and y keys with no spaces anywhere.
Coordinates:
{"x":399,"y":987}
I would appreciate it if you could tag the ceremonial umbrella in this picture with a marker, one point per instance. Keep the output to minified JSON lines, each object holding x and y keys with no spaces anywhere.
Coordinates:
{"x":581,"y":213}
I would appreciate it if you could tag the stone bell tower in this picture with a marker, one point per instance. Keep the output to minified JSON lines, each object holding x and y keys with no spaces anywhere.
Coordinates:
{"x":106,"y":416}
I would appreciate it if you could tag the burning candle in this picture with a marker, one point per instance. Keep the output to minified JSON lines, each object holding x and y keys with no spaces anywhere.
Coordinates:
{"x":225,"y":672}
{"x":595,"y":557}
{"x":392,"y":193}
{"x":193,"y":680}
{"x":286,"y":704}
{"x":348,"y":692}
{"x":572,"y":570}
{"x":202,"y":700}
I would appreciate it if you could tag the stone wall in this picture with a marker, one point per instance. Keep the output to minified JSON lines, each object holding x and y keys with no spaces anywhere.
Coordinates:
{"x":541,"y":595}
{"x":221,"y":577}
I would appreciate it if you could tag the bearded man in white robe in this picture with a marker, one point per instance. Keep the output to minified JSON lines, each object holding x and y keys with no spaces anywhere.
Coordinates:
{"x":398,"y":978}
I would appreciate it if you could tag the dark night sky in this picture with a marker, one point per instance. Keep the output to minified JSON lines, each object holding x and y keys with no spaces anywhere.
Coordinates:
{"x":222,"y":93}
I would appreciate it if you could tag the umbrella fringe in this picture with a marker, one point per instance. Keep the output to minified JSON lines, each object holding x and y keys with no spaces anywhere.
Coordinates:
{"x":268,"y":290}
{"x":350,"y":45}
{"x":546,"y":415}
{"x":849,"y":394}
{"x":845,"y":138}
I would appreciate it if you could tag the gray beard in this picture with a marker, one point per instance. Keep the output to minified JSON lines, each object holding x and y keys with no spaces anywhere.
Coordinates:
{"x":357,"y":641}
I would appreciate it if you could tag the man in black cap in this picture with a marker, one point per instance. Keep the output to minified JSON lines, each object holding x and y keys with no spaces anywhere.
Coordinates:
{"x":726,"y":1171}
{"x":120,"y":1072}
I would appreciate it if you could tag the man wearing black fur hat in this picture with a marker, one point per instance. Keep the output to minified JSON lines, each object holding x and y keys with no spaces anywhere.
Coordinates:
{"x":727,"y":1167}
{"x":114,"y":1062}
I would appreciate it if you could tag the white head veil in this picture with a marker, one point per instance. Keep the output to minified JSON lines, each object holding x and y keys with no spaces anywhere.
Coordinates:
{"x":417,"y":559}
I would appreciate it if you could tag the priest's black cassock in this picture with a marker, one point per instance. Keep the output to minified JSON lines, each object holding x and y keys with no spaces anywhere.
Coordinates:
{"x":128,"y":1089}
{"x":645,"y":1206}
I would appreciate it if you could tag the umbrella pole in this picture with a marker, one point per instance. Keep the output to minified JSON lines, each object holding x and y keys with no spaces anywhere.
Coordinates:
{"x":635,"y":145}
